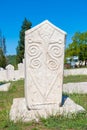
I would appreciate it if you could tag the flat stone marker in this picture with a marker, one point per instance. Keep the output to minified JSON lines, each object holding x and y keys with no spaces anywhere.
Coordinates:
{"x":44,"y":60}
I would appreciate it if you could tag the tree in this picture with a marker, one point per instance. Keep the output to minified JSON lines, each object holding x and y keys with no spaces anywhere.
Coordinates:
{"x":11,"y":59}
{"x":78,"y":47}
{"x":2,"y":43}
{"x":20,"y":48}
{"x":3,"y":60}
{"x":0,"y":39}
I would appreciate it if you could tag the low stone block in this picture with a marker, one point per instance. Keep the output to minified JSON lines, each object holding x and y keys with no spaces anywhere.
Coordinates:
{"x":80,"y":88}
{"x":20,"y":112}
{"x":5,"y":87}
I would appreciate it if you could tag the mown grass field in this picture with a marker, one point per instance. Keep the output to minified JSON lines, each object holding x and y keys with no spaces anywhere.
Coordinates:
{"x":77,"y":122}
{"x":77,"y":78}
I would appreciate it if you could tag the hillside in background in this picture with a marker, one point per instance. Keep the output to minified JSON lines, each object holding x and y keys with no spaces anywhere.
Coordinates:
{"x":11,"y":59}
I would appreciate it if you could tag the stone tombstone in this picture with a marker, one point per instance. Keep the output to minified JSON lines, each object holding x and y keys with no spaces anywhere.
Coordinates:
{"x":21,"y":70}
{"x":10,"y":72}
{"x":44,"y":61}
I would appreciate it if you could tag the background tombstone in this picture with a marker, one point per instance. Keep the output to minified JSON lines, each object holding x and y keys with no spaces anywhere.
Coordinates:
{"x":3,"y":74}
{"x":44,"y":59}
{"x":10,"y":72}
{"x":21,"y":70}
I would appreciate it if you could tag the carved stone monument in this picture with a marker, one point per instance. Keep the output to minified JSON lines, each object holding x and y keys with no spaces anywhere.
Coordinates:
{"x":44,"y":59}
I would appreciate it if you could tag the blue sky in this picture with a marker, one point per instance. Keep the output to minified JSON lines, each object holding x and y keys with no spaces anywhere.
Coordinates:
{"x":69,"y":15}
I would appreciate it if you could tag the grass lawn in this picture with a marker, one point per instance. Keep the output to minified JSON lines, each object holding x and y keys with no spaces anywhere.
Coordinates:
{"x":77,"y":122}
{"x":77,"y":78}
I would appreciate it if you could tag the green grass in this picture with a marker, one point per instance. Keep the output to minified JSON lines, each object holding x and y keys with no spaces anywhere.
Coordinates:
{"x":77,"y":122}
{"x":1,"y":83}
{"x":77,"y":78}
{"x":6,"y":99}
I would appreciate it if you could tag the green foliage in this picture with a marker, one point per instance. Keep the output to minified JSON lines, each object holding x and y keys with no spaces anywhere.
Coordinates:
{"x":76,"y":122}
{"x":78,"y":47}
{"x":35,"y":128}
{"x":20,"y":48}
{"x":3,"y":60}
{"x":11,"y":59}
{"x":80,"y":99}
{"x":1,"y":83}
{"x":2,"y":43}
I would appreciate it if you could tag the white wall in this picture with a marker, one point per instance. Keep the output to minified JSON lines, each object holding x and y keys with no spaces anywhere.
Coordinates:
{"x":81,"y":71}
{"x":9,"y":74}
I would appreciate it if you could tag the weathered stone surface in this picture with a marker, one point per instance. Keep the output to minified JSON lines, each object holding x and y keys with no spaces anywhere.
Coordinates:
{"x":5,"y":87}
{"x":44,"y":57}
{"x":21,"y":70}
{"x":80,"y":88}
{"x":10,"y":72}
{"x":20,"y":112}
{"x":76,"y":71}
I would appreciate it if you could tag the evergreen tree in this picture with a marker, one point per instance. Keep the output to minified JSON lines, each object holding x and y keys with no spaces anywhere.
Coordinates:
{"x":20,"y":48}
{"x":0,"y":39}
{"x":3,"y":60}
{"x":4,"y":45}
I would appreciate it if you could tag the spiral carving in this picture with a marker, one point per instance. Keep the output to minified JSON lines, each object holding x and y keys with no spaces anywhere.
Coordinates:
{"x":35,"y":63}
{"x":33,"y":50}
{"x":52,"y":64}
{"x":55,"y":51}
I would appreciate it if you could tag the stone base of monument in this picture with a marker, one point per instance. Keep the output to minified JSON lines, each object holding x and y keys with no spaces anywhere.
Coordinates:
{"x":5,"y":87}
{"x":19,"y":111}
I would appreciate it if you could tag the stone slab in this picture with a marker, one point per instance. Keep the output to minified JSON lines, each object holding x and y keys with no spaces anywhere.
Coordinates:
{"x":80,"y":88}
{"x":20,"y":112}
{"x":44,"y":62}
{"x":5,"y":87}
